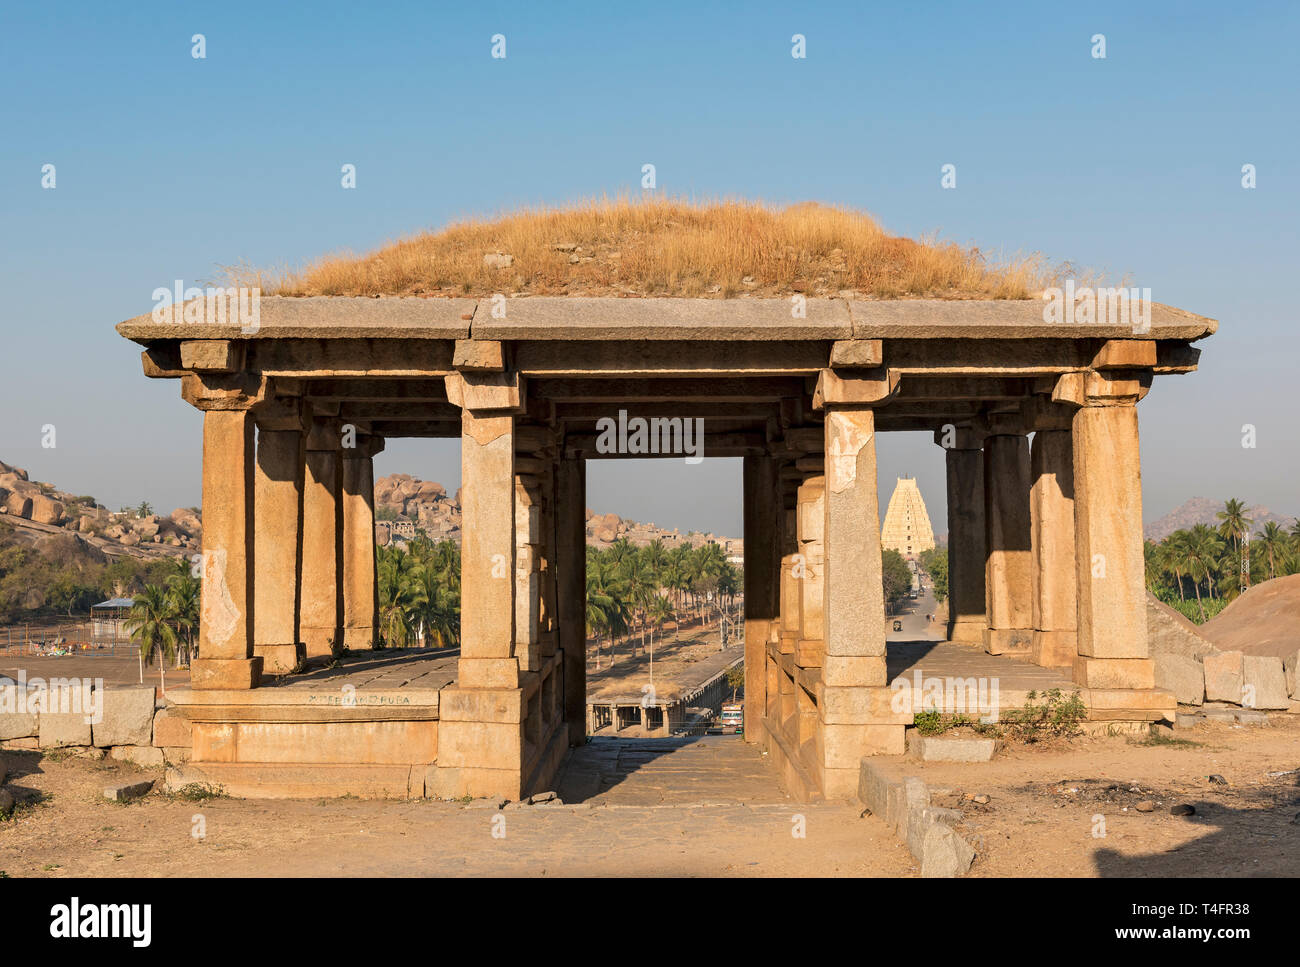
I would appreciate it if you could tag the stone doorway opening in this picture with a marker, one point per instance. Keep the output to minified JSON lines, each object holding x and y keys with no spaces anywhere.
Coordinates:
{"x":665,"y":645}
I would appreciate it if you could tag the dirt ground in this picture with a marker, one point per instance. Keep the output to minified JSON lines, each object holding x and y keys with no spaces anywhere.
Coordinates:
{"x":1040,"y":819}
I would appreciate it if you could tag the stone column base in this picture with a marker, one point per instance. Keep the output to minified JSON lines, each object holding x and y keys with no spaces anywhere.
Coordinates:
{"x":1114,"y":673}
{"x":280,"y":659}
{"x":1008,"y":641}
{"x":1054,"y":649}
{"x":967,"y":629}
{"x":225,"y":672}
{"x":359,"y":639}
{"x":318,"y":641}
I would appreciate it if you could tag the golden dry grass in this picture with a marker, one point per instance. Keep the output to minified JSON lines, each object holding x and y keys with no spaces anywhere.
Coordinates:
{"x":666,"y":247}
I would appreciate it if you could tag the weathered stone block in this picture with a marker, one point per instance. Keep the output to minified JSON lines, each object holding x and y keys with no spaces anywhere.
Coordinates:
{"x":1183,"y":676}
{"x":16,"y":720}
{"x":1291,"y":667}
{"x":171,"y":729}
{"x":126,"y":717}
{"x":129,"y":790}
{"x":1263,"y":683}
{"x":935,"y":748}
{"x":225,"y":673}
{"x":840,"y":670}
{"x":1224,"y":677}
{"x":58,"y":729}
{"x":140,"y":755}
{"x":1114,"y":672}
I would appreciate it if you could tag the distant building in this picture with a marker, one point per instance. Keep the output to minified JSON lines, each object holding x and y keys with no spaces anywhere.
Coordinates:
{"x":907,"y":525}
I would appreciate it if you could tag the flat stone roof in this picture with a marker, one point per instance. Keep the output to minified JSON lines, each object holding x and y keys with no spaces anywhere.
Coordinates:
{"x":657,"y":319}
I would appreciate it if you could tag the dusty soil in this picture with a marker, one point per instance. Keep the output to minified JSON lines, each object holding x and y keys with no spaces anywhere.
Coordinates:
{"x":1040,"y":819}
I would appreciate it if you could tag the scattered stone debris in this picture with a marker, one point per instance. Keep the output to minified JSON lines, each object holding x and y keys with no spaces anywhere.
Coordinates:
{"x":1146,"y":806}
{"x":128,"y":791}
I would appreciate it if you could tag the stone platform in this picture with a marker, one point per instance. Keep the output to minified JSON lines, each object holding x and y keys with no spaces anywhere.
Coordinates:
{"x":368,"y":727}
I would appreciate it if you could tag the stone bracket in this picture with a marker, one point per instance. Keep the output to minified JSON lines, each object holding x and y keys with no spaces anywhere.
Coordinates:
{"x":212,"y":355}
{"x":479,"y":355}
{"x":1112,"y":388}
{"x":857,"y":353}
{"x":866,"y":389}
{"x":486,"y":391}
{"x":226,"y":391}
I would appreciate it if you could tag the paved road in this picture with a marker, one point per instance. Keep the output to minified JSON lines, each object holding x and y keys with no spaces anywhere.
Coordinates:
{"x":915,"y":626}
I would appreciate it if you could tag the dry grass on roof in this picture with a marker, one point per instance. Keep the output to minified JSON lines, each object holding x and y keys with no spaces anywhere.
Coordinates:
{"x":667,"y":247}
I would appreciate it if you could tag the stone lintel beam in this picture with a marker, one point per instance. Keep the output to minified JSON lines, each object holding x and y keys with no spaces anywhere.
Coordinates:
{"x":486,"y":392}
{"x":805,"y":439}
{"x":333,"y":358}
{"x":857,"y":353}
{"x":1113,"y":388}
{"x":670,"y":359}
{"x":277,"y":413}
{"x":407,"y":411}
{"x":479,"y":355}
{"x":1041,"y":413}
{"x":715,"y":445}
{"x":1002,"y":424}
{"x":429,"y":429}
{"x":377,"y":390}
{"x":949,"y":388}
{"x":212,"y":355}
{"x":1125,"y":354}
{"x":162,"y":361}
{"x":867,"y":389}
{"x":1176,"y":357}
{"x":960,"y":437}
{"x":723,"y":389}
{"x":224,"y":391}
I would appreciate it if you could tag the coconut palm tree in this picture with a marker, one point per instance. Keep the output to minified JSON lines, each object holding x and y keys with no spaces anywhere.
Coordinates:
{"x":1233,"y":523}
{"x":149,"y":625}
{"x":401,"y":593}
{"x":1275,"y":547}
{"x":183,"y":594}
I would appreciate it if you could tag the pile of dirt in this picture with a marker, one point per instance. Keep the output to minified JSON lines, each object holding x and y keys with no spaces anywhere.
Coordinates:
{"x":1263,"y":621}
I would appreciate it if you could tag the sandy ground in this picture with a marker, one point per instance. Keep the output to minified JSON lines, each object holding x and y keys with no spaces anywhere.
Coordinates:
{"x":699,"y":809}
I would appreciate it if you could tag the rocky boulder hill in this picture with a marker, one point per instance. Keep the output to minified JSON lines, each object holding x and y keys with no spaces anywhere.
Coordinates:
{"x":38,"y":509}
{"x":428,"y":507}
{"x":1203,"y":510}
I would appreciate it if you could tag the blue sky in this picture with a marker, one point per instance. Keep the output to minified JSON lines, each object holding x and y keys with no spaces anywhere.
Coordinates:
{"x":169,"y":167}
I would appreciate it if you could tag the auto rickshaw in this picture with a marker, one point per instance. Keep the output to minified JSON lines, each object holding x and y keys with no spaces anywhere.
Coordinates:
{"x":898,"y":625}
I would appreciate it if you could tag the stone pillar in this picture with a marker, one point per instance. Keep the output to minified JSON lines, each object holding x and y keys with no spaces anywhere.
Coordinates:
{"x":1051,"y":501}
{"x":964,"y":458}
{"x":227,"y":612}
{"x":1008,"y":577}
{"x":360,"y":578}
{"x":322,"y":548}
{"x":762,"y":516}
{"x":529,"y":554}
{"x":487,"y":601}
{"x":484,"y":734}
{"x":227,"y":607}
{"x":810,"y":530}
{"x":278,"y":536}
{"x":571,"y":587}
{"x":1112,"y":624}
{"x":856,"y":717}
